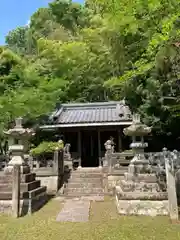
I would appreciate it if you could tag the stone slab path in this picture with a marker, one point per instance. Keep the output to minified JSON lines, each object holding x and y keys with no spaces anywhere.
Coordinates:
{"x":74,"y":211}
{"x":89,"y":198}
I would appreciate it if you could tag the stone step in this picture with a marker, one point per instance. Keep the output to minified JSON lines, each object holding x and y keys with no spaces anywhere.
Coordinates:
{"x":119,"y":172}
{"x":84,"y":190}
{"x":30,"y":177}
{"x":8,"y":195}
{"x":85,"y":180}
{"x":124,"y":168}
{"x":86,"y":175}
{"x":24,"y":187}
{"x":93,"y":197}
{"x":37,"y":191}
{"x":23,"y":195}
{"x":124,"y":161}
{"x":25,"y":178}
{"x":84,"y":185}
{"x":89,"y":170}
{"x":80,"y":195}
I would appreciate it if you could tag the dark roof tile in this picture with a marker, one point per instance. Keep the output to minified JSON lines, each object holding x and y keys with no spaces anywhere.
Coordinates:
{"x":93,"y":113}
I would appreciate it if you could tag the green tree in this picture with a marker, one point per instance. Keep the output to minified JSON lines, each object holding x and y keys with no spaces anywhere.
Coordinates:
{"x":102,"y":50}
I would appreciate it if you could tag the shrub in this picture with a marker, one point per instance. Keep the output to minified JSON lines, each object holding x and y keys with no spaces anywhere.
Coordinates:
{"x":46,"y":147}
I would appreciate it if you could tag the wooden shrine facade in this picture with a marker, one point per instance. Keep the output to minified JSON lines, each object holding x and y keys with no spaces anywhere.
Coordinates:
{"x":87,"y":126}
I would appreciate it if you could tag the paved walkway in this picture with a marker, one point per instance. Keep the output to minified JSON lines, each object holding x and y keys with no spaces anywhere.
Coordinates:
{"x":74,"y":211}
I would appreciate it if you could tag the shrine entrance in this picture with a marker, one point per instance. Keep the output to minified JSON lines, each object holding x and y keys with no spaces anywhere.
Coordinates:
{"x":89,"y":149}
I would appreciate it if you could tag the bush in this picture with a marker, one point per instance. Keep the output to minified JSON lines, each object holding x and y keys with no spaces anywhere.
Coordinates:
{"x":46,"y":147}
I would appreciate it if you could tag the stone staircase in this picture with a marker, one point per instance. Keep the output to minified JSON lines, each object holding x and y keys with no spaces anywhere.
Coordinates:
{"x":32,"y":194}
{"x":85,"y":182}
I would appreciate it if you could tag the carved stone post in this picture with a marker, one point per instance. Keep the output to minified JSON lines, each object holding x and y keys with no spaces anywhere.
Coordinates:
{"x":15,"y":190}
{"x":108,"y":155}
{"x":56,"y":162}
{"x":171,"y":185}
{"x":68,"y":164}
{"x":31,"y":162}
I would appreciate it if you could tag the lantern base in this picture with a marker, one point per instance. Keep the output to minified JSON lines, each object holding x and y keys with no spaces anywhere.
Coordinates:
{"x":17,"y":160}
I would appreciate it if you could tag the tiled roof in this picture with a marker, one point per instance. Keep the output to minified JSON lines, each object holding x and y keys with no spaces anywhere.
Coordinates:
{"x":103,"y":112}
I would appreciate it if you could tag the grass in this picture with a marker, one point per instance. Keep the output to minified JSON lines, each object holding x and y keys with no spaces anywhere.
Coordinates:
{"x":104,"y":224}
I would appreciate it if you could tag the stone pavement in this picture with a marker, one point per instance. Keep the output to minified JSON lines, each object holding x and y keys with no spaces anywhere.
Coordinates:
{"x":83,"y":198}
{"x":74,"y":211}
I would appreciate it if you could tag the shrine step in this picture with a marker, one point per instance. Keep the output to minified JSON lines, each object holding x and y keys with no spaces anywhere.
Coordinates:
{"x":79,"y":195}
{"x":85,"y":180}
{"x":124,"y":168}
{"x":84,"y":185}
{"x":86,"y":175}
{"x":86,"y":169}
{"x":120,"y":172}
{"x":85,"y":190}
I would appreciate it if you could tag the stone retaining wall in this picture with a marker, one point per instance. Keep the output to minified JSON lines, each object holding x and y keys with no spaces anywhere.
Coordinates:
{"x":51,"y":182}
{"x":140,"y":207}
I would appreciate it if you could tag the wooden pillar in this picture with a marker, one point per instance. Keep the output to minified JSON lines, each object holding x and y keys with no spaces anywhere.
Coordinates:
{"x":79,"y":148}
{"x":119,"y":140}
{"x":99,"y":147}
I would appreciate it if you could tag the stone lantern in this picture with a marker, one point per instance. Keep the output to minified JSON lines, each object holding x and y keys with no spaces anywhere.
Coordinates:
{"x":139,"y":193}
{"x":138,"y":130}
{"x":18,"y":145}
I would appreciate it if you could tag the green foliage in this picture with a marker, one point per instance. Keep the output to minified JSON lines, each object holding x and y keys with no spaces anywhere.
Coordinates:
{"x":69,"y":14}
{"x":46,"y":147}
{"x":21,"y":40}
{"x":102,"y":50}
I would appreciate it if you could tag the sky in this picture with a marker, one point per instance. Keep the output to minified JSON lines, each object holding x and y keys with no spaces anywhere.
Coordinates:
{"x":14,"y":13}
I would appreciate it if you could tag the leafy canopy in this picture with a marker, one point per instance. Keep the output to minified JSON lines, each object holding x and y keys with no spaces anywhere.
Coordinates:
{"x":102,"y":50}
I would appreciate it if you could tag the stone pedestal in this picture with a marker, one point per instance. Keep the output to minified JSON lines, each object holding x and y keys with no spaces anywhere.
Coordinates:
{"x":32,"y":194}
{"x":17,"y":158}
{"x":136,"y":192}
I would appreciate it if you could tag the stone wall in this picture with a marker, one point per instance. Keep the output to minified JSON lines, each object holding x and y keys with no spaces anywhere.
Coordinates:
{"x":52,"y":176}
{"x":51,"y":182}
{"x":138,"y":207}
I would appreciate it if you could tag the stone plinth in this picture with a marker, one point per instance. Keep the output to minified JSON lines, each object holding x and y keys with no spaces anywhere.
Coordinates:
{"x":140,"y":195}
{"x":139,"y":207}
{"x":32,"y":194}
